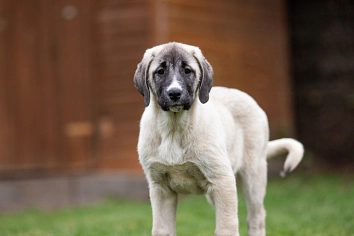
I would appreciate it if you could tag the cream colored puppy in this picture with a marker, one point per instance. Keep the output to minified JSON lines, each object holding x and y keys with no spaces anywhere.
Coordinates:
{"x":195,"y":138}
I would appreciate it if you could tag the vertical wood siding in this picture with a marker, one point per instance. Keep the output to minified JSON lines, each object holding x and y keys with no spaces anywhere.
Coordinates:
{"x":123,"y":36}
{"x":45,"y":84}
{"x":67,"y":99}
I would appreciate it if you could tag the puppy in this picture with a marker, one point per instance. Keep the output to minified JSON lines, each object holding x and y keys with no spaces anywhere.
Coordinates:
{"x":195,"y":139}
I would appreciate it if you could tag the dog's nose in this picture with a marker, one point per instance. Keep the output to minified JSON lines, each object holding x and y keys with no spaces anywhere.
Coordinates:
{"x":175,"y":94}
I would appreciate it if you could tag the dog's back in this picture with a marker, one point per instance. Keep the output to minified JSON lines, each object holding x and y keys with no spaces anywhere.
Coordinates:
{"x":240,"y":104}
{"x":250,"y":121}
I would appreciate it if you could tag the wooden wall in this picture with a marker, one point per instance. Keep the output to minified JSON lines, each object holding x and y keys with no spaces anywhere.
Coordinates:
{"x":123,"y":35}
{"x":67,"y":100}
{"x":245,"y":42}
{"x":45,"y":59}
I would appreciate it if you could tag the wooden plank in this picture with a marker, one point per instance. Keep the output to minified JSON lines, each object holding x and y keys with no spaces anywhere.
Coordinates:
{"x":30,"y":88}
{"x":238,"y":7}
{"x":26,"y":108}
{"x":4,"y":119}
{"x":55,"y":153}
{"x":74,"y":71}
{"x":119,"y":3}
{"x":45,"y":74}
{"x":127,"y":42}
{"x":123,"y":34}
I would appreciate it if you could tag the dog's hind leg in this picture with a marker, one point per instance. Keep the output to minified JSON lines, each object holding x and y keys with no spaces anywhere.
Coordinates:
{"x":253,"y":181}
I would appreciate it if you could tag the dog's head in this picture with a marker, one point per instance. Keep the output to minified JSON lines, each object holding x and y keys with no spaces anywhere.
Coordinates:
{"x":175,"y":74}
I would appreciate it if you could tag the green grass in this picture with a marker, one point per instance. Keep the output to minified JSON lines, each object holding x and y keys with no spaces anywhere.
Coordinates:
{"x":322,"y":205}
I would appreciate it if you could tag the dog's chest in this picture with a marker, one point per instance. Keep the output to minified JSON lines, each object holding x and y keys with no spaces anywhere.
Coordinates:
{"x":183,"y":178}
{"x":170,"y":149}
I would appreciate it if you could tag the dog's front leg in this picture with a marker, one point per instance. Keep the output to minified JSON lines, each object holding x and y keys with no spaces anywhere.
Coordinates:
{"x":164,"y":204}
{"x":223,"y":196}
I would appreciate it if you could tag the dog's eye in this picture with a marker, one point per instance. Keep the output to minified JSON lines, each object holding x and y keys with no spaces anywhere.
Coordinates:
{"x":187,"y":71}
{"x":161,"y":71}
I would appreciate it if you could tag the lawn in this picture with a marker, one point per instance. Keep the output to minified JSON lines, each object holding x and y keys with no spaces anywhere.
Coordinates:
{"x":296,"y":205}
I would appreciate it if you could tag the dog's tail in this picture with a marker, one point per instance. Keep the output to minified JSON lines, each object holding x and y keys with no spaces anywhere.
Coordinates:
{"x":281,"y":146}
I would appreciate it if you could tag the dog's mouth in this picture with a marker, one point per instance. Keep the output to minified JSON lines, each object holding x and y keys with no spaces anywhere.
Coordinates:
{"x":176,"y":108}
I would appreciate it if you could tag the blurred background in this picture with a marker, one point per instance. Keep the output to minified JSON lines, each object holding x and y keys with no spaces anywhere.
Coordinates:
{"x":69,"y":113}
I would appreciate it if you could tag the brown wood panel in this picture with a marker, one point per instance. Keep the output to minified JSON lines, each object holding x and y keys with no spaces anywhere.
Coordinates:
{"x":53,"y":157}
{"x":68,"y":67}
{"x":29,"y":87}
{"x":123,"y":36}
{"x":46,"y":69}
{"x":74,"y":67}
{"x":25,"y":84}
{"x":4,"y":119}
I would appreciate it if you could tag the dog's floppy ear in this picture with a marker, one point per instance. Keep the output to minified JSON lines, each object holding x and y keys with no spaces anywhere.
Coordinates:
{"x":207,"y":78}
{"x":141,"y":80}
